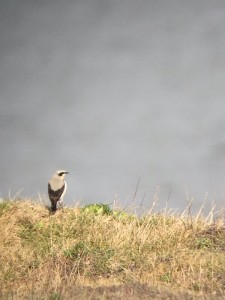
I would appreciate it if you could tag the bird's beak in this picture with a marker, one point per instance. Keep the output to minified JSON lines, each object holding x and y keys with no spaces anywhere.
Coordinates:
{"x":66,"y":172}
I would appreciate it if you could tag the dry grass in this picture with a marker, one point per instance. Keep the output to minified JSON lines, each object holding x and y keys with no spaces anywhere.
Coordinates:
{"x":77,"y":252}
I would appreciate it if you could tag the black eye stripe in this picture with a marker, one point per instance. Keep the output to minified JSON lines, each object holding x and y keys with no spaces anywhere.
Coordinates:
{"x":61,"y":173}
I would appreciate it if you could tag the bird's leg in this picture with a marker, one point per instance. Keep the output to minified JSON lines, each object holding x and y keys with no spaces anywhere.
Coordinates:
{"x":61,"y":205}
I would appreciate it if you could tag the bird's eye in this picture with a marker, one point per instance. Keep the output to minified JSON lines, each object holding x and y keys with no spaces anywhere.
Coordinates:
{"x":61,"y":173}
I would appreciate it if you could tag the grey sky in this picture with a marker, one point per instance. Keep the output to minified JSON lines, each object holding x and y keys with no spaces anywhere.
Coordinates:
{"x":111,"y":91}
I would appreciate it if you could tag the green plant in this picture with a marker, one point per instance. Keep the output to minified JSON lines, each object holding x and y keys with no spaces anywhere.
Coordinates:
{"x":4,"y":205}
{"x":54,"y":296}
{"x":76,"y":251}
{"x":165,"y":277}
{"x":203,"y":243}
{"x":97,"y":209}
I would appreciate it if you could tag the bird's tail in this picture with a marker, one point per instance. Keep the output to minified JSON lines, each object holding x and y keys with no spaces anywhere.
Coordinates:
{"x":54,"y":206}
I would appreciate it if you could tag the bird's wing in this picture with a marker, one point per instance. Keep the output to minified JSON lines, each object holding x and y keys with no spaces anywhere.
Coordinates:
{"x":55,"y":195}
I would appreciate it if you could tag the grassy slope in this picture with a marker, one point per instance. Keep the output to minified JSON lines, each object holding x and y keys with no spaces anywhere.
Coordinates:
{"x":108,"y":256}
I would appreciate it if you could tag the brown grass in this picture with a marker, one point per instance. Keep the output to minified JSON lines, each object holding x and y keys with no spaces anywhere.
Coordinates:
{"x":95,"y":254}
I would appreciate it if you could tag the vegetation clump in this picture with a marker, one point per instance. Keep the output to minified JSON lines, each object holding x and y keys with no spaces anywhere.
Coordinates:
{"x":96,"y":246}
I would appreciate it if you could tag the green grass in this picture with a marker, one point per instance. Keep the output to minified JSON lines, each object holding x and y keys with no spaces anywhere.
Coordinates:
{"x":4,"y":205}
{"x":97,"y":249}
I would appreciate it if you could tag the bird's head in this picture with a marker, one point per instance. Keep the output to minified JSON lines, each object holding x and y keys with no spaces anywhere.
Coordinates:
{"x":61,"y":174}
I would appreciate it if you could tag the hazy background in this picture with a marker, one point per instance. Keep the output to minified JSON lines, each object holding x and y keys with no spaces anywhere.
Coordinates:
{"x":114,"y":90}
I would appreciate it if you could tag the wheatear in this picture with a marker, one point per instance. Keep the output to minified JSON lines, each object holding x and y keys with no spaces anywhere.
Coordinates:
{"x":56,"y":189}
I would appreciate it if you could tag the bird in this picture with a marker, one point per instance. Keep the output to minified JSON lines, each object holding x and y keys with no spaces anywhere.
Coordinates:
{"x":57,"y":189}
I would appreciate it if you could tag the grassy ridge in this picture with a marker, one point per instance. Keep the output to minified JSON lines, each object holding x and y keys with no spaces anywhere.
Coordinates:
{"x":95,"y":246}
